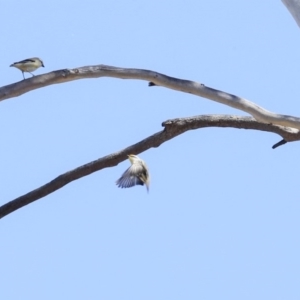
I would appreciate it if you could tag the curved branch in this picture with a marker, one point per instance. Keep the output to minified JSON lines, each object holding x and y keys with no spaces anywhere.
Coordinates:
{"x":172,"y":129}
{"x":191,"y":87}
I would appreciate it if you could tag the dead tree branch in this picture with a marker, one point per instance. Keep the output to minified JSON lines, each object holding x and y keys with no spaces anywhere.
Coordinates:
{"x":260,"y":114}
{"x":172,"y":128}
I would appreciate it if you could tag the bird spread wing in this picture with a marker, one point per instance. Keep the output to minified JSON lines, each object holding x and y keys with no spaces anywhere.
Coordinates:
{"x":131,"y":177}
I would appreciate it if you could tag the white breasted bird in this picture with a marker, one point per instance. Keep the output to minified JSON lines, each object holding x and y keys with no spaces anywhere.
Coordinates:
{"x":137,"y":173}
{"x":28,"y":65}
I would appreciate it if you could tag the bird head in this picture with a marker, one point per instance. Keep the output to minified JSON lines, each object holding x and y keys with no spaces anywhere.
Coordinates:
{"x":38,"y":60}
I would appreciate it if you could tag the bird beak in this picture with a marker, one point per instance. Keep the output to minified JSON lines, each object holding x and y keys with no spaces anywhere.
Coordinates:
{"x":43,"y":65}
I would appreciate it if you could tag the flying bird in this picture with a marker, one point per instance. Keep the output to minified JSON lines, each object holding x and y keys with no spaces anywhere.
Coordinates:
{"x":136,"y":174}
{"x":28,"y":65}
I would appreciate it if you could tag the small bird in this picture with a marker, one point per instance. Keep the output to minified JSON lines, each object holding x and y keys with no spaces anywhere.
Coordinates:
{"x":28,"y":65}
{"x":137,"y":173}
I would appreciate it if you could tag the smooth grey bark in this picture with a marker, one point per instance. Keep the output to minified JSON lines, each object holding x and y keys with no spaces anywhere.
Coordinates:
{"x":199,"y":89}
{"x":294,"y":8}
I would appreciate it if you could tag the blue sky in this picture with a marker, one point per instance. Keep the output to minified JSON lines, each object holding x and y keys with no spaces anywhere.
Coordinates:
{"x":221,"y":220}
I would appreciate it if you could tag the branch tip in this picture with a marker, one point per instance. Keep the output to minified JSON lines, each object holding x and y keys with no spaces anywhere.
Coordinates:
{"x":280,"y":143}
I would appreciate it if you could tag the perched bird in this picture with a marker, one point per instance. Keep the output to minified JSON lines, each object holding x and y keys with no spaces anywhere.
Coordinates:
{"x":137,"y":173}
{"x":28,"y":65}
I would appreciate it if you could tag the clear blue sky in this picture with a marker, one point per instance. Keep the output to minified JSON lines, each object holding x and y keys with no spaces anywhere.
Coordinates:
{"x":221,"y":220}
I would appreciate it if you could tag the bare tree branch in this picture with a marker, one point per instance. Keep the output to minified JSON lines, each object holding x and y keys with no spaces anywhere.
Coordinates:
{"x":172,"y":129}
{"x":191,"y":87}
{"x":294,"y":8}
